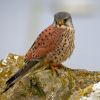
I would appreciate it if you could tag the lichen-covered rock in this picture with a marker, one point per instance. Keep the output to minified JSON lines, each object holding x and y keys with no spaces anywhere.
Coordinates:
{"x":95,"y":94}
{"x":42,"y":84}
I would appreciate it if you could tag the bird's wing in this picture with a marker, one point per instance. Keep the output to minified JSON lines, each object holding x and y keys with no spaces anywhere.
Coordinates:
{"x":45,"y":43}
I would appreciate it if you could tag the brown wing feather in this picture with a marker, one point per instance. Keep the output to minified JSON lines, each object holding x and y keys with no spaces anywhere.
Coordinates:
{"x":45,"y":43}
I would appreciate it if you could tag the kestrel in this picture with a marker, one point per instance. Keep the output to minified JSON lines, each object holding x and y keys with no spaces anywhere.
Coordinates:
{"x":54,"y":44}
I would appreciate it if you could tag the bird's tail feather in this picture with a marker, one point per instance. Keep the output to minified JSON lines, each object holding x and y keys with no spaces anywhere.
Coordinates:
{"x":10,"y":82}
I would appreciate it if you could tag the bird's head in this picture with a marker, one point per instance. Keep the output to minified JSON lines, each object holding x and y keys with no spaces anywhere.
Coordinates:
{"x":63,"y":20}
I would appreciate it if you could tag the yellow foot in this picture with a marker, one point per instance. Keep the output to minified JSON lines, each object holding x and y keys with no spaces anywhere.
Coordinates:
{"x":55,"y":67}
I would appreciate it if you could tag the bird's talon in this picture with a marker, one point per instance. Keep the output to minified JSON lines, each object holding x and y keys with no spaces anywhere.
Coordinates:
{"x":54,"y":68}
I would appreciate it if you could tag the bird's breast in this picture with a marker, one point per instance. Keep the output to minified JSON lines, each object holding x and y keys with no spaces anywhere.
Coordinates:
{"x":64,"y":48}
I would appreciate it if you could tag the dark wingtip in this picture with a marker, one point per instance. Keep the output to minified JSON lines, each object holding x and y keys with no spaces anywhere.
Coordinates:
{"x":4,"y":90}
{"x":9,"y":81}
{"x":7,"y":87}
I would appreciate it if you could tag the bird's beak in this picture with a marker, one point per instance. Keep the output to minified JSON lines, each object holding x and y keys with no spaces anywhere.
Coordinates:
{"x":60,"y":22}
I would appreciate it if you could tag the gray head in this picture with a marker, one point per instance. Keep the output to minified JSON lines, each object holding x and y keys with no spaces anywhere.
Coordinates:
{"x":62,"y":19}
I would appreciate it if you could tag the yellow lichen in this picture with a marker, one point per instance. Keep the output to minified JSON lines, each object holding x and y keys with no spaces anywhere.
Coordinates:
{"x":67,"y":84}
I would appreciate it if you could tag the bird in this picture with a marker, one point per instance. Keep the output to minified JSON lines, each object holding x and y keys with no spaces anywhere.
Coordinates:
{"x":54,"y":44}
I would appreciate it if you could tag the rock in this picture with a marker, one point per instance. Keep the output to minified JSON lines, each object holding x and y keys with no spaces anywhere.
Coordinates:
{"x":95,"y":94}
{"x":42,"y":84}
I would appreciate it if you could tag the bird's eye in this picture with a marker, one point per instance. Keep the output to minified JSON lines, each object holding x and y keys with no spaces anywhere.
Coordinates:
{"x":65,"y":20}
{"x":55,"y":21}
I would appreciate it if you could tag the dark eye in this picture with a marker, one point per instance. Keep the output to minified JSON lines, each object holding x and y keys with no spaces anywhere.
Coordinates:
{"x":55,"y":21}
{"x":65,"y":20}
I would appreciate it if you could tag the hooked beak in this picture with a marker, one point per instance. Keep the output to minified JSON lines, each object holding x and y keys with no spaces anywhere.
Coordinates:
{"x":60,"y":22}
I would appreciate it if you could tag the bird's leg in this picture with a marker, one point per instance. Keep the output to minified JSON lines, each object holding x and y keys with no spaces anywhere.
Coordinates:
{"x":54,"y":67}
{"x":46,"y":62}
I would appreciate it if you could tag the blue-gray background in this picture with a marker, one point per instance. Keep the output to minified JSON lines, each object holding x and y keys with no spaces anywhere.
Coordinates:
{"x":22,"y":20}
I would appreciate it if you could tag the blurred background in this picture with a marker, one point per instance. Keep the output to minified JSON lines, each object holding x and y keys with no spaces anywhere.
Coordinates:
{"x":22,"y":20}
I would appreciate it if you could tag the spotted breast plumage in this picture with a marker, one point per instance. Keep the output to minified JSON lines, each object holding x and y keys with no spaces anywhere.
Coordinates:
{"x":55,"y":44}
{"x":45,"y":43}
